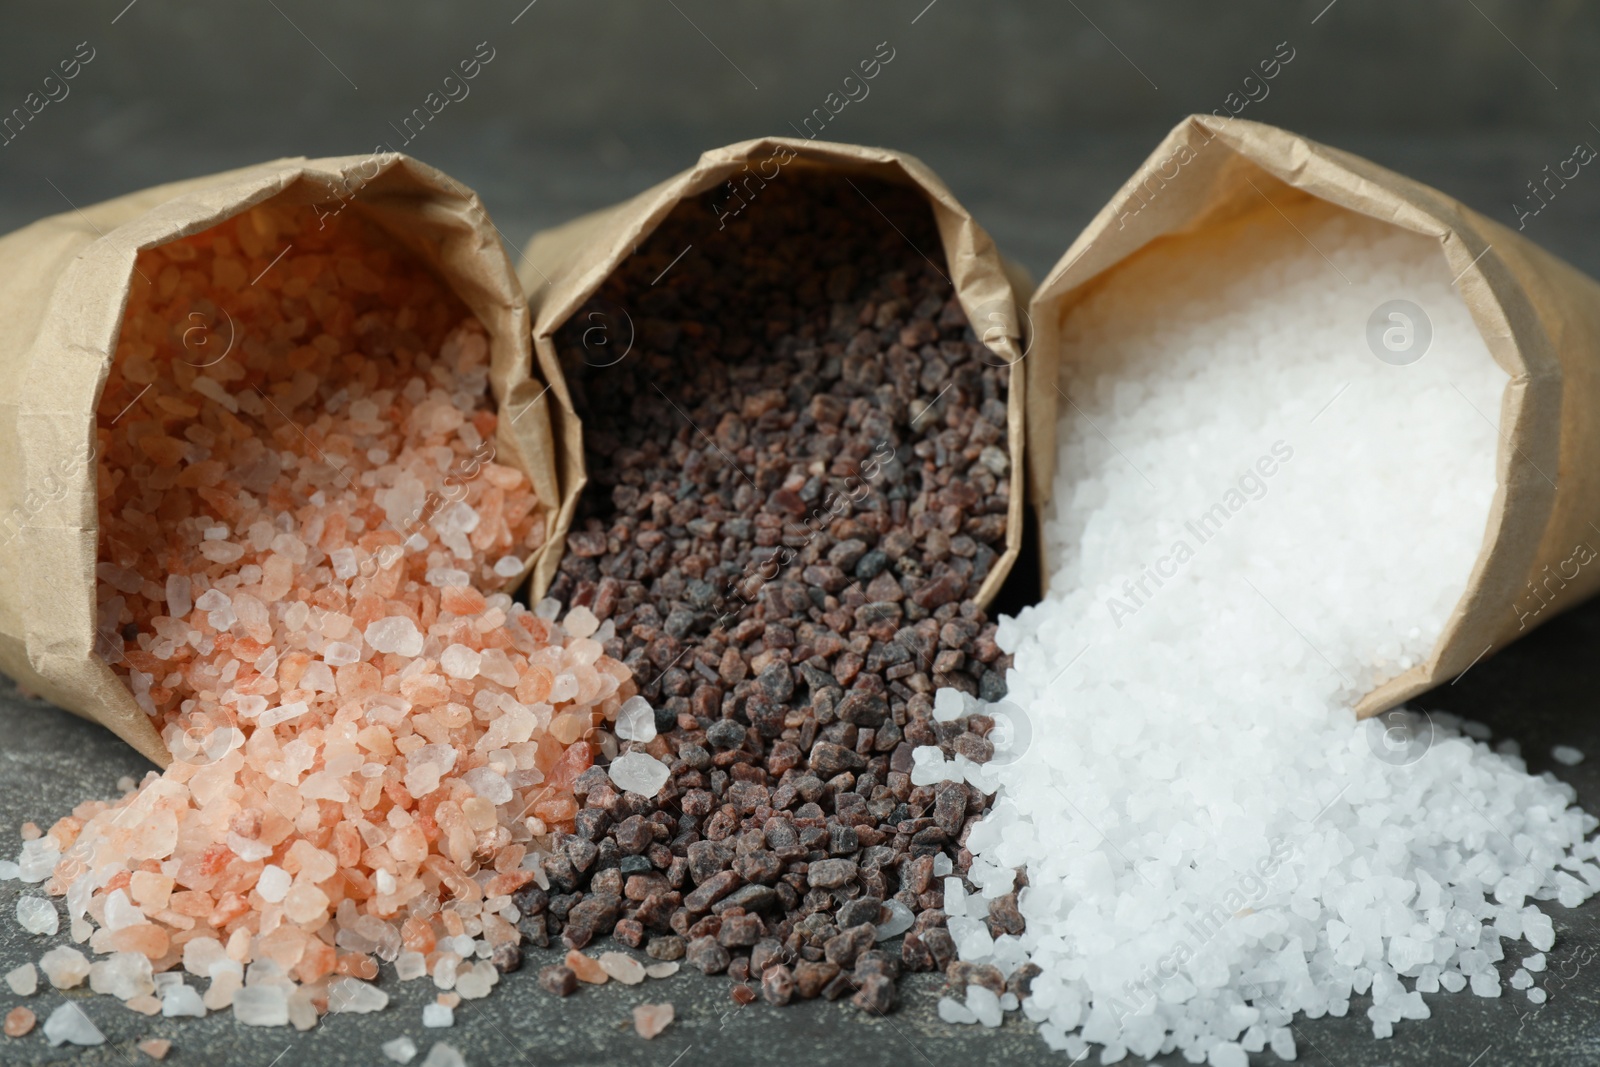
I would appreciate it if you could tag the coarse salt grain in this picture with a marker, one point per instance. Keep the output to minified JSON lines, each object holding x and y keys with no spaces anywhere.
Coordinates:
{"x":1255,"y":523}
{"x":293,"y":658}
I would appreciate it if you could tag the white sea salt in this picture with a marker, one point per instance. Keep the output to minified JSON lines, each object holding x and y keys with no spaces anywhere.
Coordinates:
{"x":65,"y":967}
{"x":400,"y":1050}
{"x":396,"y":634}
{"x":355,"y":996}
{"x":1255,"y":522}
{"x":443,"y":1055}
{"x":438,"y":1015}
{"x":1567,"y":755}
{"x":69,"y":1024}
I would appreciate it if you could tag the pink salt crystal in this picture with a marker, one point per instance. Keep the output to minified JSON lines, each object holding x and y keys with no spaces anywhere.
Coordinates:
{"x":155,"y":1047}
{"x":586,"y":968}
{"x":144,"y":1004}
{"x":19,"y":1021}
{"x":623,"y":967}
{"x":650,"y":1019}
{"x":30,"y":831}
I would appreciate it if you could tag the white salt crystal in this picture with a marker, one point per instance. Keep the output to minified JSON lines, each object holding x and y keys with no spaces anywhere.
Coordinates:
{"x":953,"y":1011}
{"x":636,"y":720}
{"x":37,"y":859}
{"x":182,"y":1000}
{"x":1521,"y":979}
{"x":8,"y":870}
{"x":261,"y":1005}
{"x":900,"y":920}
{"x":438,"y":1015}
{"x":120,"y":911}
{"x":984,"y":1005}
{"x":639,"y":772}
{"x":547,"y":609}
{"x":1566,"y":754}
{"x":473,"y":983}
{"x":400,"y":1050}
{"x":948,"y":705}
{"x":123,"y":975}
{"x":1486,"y":984}
{"x":459,"y":661}
{"x":23,"y":980}
{"x":508,"y":566}
{"x":1537,"y":995}
{"x":442,"y":1055}
{"x":178,"y":603}
{"x":341,"y":653}
{"x":68,"y":1024}
{"x":64,"y":966}
{"x":1534,"y":963}
{"x":623,"y":967}
{"x":37,"y":915}
{"x":410,"y":965}
{"x":665,"y":969}
{"x":448,"y":577}
{"x":396,"y":634}
{"x":273,"y":883}
{"x":355,"y":996}
{"x":386,"y":882}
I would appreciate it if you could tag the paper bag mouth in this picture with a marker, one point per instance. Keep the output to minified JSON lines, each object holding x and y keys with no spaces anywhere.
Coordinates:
{"x":563,"y":268}
{"x":1208,"y":173}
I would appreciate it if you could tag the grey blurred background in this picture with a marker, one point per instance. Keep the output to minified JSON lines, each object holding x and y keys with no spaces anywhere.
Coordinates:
{"x":1033,"y":112}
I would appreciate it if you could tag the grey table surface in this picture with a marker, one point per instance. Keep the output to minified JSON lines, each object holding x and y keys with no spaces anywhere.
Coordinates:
{"x":1033,"y":198}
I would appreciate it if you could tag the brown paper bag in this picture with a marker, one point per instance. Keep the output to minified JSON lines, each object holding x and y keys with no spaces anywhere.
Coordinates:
{"x":63,"y":286}
{"x":563,"y":267}
{"x":1539,"y":317}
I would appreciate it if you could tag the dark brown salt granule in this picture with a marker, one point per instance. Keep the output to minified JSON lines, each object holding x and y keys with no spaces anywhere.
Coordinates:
{"x":798,"y":480}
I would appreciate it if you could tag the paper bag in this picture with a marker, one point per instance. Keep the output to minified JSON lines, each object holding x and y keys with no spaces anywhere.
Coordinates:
{"x":563,"y":267}
{"x":63,"y":286}
{"x":1539,"y":317}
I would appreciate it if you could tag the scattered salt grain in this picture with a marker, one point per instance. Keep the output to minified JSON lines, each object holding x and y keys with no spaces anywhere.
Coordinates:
{"x":984,"y":1005}
{"x":19,"y":1022}
{"x":122,"y":975}
{"x":400,"y":1050}
{"x":261,"y":1005}
{"x":1535,"y":962}
{"x":1537,"y":995}
{"x":443,"y":1055}
{"x":437,"y":1015}
{"x":636,"y":720}
{"x":953,"y":1011}
{"x":69,"y":1024}
{"x":182,"y":1000}
{"x":665,"y":969}
{"x":650,"y":1019}
{"x":508,"y":566}
{"x":155,"y":1047}
{"x":355,"y":996}
{"x":623,"y":967}
{"x":900,"y":920}
{"x":23,"y":980}
{"x":64,"y":967}
{"x":1567,"y":755}
{"x":639,"y":772}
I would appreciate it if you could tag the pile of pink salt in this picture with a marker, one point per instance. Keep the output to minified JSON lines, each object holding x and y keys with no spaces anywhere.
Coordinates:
{"x":301,"y":543}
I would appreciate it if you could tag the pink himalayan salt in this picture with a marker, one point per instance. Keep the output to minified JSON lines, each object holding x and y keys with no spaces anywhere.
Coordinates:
{"x":587,"y":968}
{"x":19,"y":1021}
{"x":650,"y":1019}
{"x":314,"y":533}
{"x":155,"y":1047}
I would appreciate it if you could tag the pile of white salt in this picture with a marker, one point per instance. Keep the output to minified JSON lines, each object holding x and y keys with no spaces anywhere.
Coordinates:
{"x":1255,"y":522}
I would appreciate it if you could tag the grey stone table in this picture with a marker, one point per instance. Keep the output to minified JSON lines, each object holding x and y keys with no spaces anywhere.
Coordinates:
{"x":1034,"y":199}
